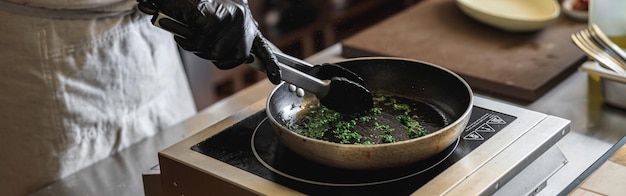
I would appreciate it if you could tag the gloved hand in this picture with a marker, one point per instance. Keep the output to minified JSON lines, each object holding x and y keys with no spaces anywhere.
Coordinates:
{"x":222,"y":31}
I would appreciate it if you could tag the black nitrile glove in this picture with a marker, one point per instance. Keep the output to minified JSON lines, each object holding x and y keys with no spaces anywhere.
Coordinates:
{"x":222,"y":31}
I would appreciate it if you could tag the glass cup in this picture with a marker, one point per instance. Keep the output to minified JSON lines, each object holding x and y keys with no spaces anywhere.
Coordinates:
{"x":610,"y":16}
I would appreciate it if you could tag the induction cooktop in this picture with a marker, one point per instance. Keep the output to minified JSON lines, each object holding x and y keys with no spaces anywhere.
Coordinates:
{"x":244,"y":153}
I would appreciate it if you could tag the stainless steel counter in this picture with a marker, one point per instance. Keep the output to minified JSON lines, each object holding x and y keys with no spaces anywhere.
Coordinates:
{"x":595,"y":128}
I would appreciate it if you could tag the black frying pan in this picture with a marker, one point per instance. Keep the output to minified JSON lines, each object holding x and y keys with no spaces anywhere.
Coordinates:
{"x":448,"y":94}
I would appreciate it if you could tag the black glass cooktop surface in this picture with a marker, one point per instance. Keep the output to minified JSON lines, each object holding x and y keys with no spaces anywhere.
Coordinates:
{"x":251,"y":145}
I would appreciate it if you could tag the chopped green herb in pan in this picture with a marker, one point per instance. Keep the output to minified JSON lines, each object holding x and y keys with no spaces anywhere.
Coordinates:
{"x":392,"y":119}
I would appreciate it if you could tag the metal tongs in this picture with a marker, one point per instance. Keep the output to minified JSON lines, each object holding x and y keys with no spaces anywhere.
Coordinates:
{"x":342,"y":90}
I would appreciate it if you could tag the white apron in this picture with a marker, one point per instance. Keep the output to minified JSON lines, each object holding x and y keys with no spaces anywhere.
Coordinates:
{"x":74,"y":91}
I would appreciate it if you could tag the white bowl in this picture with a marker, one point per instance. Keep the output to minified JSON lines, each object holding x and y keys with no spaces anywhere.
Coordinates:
{"x":512,"y":15}
{"x":578,"y":15}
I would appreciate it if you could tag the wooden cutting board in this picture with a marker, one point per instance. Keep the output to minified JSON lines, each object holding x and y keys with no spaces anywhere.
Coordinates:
{"x":519,"y":65}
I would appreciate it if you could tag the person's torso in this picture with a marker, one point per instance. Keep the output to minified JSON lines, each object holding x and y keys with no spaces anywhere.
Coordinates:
{"x":111,"y":5}
{"x":82,"y":9}
{"x":75,"y":91}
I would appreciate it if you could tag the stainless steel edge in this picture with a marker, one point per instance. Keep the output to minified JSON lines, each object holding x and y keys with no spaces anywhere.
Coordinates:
{"x":461,"y":170}
{"x":508,"y":163}
{"x":533,"y":179}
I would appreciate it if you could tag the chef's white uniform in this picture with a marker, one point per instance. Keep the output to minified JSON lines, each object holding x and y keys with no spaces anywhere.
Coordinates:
{"x":79,"y":81}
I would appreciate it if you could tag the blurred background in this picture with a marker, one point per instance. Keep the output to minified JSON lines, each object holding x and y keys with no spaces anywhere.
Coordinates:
{"x":297,"y":27}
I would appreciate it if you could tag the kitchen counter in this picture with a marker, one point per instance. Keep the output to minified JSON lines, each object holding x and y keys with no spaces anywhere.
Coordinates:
{"x":605,"y":177}
{"x":595,"y":128}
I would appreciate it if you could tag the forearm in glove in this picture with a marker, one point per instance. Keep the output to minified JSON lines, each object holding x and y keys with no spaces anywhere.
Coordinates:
{"x":222,"y":31}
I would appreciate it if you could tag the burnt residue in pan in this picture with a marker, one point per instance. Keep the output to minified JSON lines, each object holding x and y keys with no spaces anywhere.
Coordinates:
{"x":392,"y":119}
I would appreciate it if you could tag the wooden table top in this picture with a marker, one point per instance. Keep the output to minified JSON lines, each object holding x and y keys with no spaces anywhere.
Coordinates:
{"x":518,"y":65}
